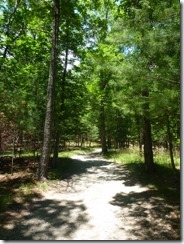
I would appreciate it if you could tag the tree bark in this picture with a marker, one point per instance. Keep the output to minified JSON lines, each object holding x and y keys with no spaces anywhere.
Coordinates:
{"x":103,"y":128}
{"x":43,"y":166}
{"x":102,"y":117}
{"x":170,"y":144}
{"x":58,"y":133}
{"x":148,"y":151}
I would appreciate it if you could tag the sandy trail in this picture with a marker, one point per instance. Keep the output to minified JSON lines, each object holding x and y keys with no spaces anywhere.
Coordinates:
{"x":92,"y":203}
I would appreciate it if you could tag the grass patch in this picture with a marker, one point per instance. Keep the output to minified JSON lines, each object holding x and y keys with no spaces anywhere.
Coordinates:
{"x":27,"y":187}
{"x":133,"y":155}
{"x":71,"y":152}
{"x":163,"y":158}
{"x":5,"y":201}
{"x":126,"y":156}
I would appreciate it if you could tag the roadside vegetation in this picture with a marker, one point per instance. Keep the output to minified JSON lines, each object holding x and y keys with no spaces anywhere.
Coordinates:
{"x":134,"y":155}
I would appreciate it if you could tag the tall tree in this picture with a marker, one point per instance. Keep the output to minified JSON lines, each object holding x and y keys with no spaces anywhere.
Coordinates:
{"x":43,"y":166}
{"x":144,"y":34}
{"x":69,"y":45}
{"x":99,"y":70}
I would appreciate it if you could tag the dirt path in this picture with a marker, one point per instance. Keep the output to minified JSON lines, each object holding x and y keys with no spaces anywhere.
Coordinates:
{"x":94,"y":201}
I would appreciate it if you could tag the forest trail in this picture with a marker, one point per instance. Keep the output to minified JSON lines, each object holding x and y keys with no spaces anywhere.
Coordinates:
{"x":95,"y":200}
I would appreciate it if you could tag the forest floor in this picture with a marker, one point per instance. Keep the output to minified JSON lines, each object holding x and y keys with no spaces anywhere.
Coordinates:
{"x":94,"y":199}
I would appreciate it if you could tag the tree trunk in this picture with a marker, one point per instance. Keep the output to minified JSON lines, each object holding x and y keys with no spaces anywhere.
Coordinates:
{"x":139,"y":133}
{"x":13,"y":156}
{"x":102,"y":117}
{"x":103,"y":128}
{"x":65,"y":73}
{"x":170,"y":144}
{"x":43,"y":166}
{"x":148,"y":152}
{"x":58,"y":134}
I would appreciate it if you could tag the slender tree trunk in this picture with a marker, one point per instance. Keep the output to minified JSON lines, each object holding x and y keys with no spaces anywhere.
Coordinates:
{"x":139,"y":133}
{"x":58,"y":134}
{"x":65,"y":72}
{"x":63,"y":85}
{"x":43,"y":166}
{"x":103,"y":128}
{"x":148,"y":151}
{"x":170,"y":144}
{"x":13,"y":156}
{"x":102,"y":117}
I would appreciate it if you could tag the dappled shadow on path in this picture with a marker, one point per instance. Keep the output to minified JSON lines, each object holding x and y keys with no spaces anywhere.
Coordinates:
{"x":139,"y":206}
{"x":149,"y":215}
{"x":154,"y":214}
{"x":44,"y":219}
{"x":163,"y":180}
{"x":68,"y":167}
{"x":98,"y":168}
{"x":149,"y":204}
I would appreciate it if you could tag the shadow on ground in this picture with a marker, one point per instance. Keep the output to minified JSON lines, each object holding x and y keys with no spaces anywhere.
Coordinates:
{"x":67,"y":167}
{"x":154,"y":213}
{"x":151,"y":217}
{"x":43,"y":220}
{"x":163,"y":180}
{"x":149,"y":214}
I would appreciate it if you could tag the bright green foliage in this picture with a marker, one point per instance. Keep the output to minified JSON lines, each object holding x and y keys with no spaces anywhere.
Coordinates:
{"x":24,"y":67}
{"x":144,"y":34}
{"x":109,"y":54}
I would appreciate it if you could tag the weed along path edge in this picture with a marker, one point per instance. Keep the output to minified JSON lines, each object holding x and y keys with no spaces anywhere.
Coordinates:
{"x":95,"y":199}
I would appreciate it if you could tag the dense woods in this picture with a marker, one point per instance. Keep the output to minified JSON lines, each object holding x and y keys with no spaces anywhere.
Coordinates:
{"x":101,"y":71}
